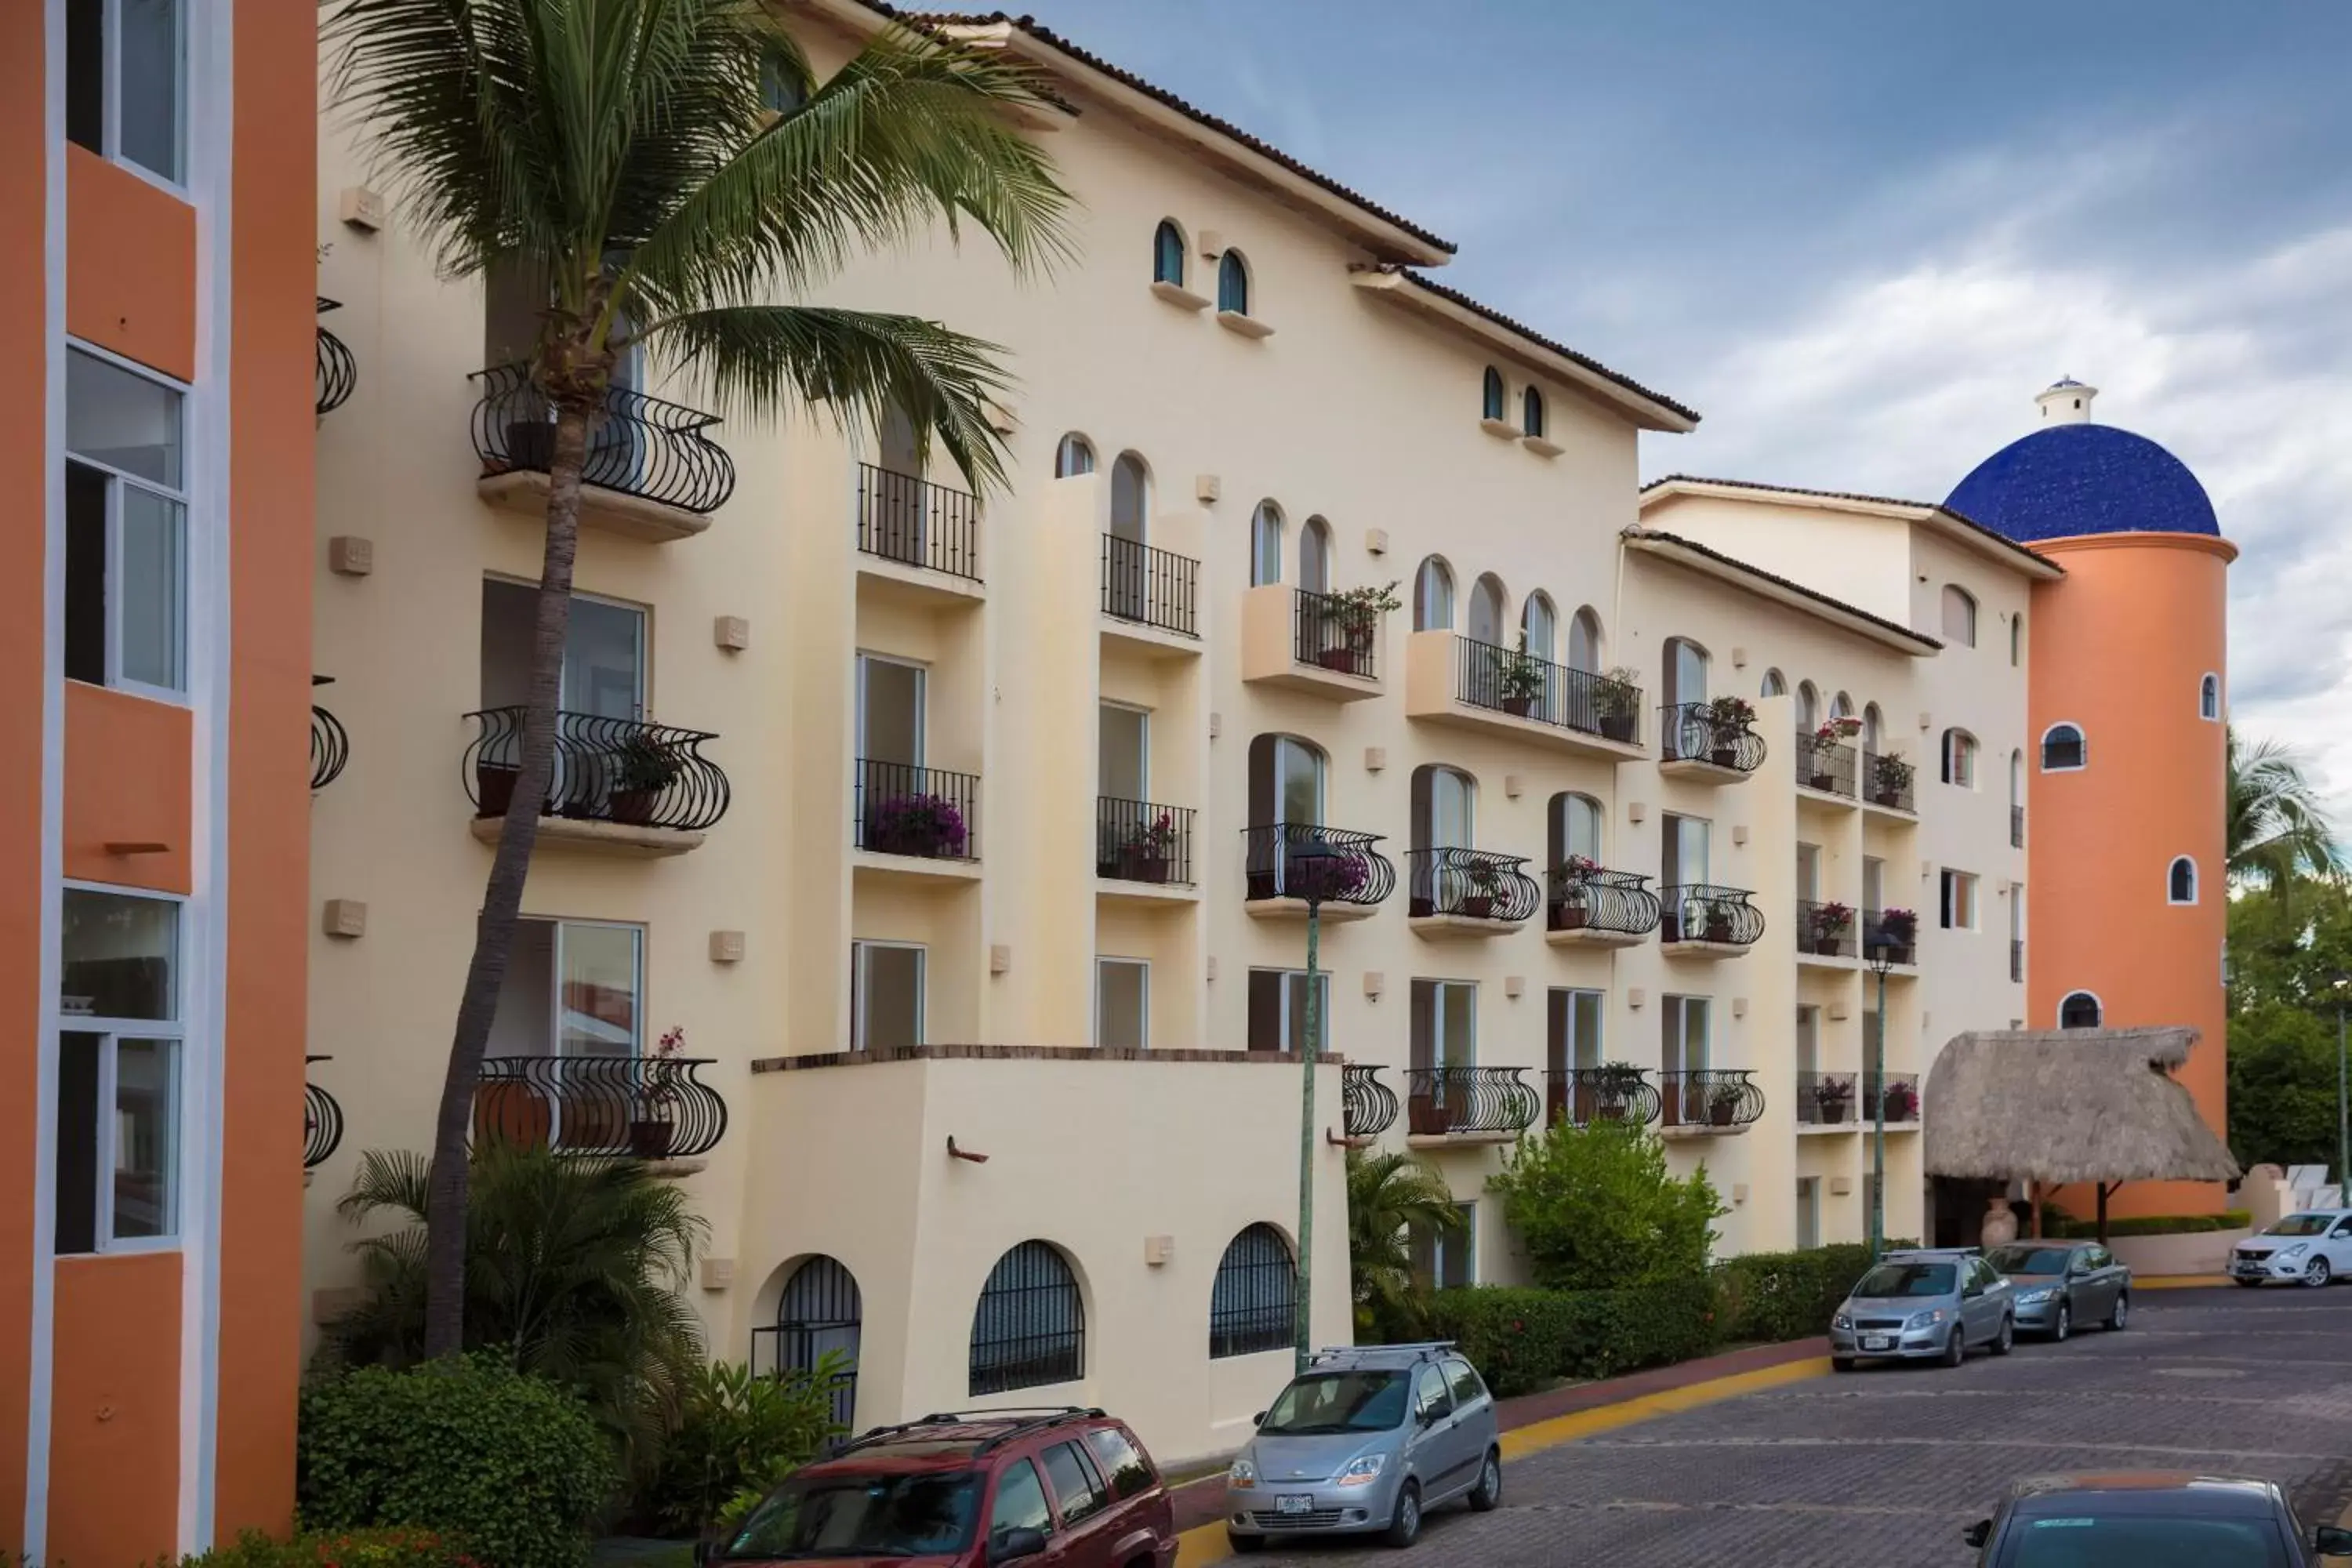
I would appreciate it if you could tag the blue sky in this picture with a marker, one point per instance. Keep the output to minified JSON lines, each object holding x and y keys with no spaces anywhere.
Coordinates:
{"x":1859,"y":237}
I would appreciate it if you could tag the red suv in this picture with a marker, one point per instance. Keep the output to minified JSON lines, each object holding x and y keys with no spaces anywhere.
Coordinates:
{"x":1057,"y":1488}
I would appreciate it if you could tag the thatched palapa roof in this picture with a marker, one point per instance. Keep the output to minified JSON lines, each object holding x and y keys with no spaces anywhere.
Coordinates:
{"x":2068,"y":1105}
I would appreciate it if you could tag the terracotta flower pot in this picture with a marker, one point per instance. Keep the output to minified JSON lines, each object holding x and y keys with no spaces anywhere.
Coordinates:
{"x":1340,"y":658}
{"x":1479,"y":906}
{"x":633,"y":807}
{"x":650,"y":1139}
{"x":1617,"y":726}
{"x":494,"y":786}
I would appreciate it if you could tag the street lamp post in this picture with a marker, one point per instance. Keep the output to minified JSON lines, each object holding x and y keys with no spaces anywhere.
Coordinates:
{"x":2343,"y":1115}
{"x":1309,"y":871}
{"x":1881,"y":954}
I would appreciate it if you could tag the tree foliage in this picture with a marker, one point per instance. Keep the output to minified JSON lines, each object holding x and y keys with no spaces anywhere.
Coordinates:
{"x":738,"y":1435}
{"x":2290,"y":943}
{"x":1596,"y":1209}
{"x":2278,"y":831}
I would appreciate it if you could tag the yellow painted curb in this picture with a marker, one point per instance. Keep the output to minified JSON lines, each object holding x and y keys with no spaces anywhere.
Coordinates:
{"x":2178,"y":1282}
{"x":1206,"y":1544}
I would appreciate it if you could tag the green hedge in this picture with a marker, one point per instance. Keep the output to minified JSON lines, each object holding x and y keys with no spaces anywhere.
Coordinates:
{"x":397,"y":1548}
{"x":2150,"y":1224}
{"x":1520,"y":1338}
{"x":1775,"y":1296}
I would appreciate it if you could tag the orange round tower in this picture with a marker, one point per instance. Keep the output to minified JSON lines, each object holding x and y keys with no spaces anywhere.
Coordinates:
{"x":2128,"y":905}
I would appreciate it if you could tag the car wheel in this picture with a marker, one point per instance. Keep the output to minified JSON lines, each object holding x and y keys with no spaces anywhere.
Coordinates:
{"x":2066,"y":1321}
{"x":1955,"y":1349}
{"x":1245,"y":1542}
{"x":1404,"y":1526}
{"x":2318,"y":1274}
{"x":2122,"y":1310}
{"x":2006,"y":1338}
{"x":1489,"y":1490}
{"x":1841,"y":1363}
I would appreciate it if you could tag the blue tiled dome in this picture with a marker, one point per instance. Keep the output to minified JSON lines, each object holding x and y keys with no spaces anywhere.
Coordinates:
{"x":2077,"y":479}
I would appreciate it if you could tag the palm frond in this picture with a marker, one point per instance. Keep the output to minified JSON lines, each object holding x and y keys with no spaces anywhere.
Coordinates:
{"x":2277,"y":828}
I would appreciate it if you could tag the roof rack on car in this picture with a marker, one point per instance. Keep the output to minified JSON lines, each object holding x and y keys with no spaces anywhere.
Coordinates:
{"x":1023,"y":1419}
{"x":1424,"y":1350}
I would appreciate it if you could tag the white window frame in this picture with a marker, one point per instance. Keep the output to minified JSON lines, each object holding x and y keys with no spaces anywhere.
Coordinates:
{"x":555,"y":976}
{"x":1684,"y":1007}
{"x":1600,"y":1052}
{"x":922,"y":705}
{"x":1266,"y":527}
{"x":180,"y":496}
{"x":1143,"y":763}
{"x":1071,"y":446}
{"x":2058,"y":1019}
{"x":112,"y":1031}
{"x":2174,"y":865}
{"x":2208,"y":685}
{"x":1961,"y":754}
{"x":862,"y":988}
{"x":110,"y":94}
{"x":1955,"y":880}
{"x":1433,"y":582}
{"x":1464,"y":1235}
{"x":1143,"y":1023}
{"x":1967,"y":637}
{"x":1290,"y":980}
{"x":2041,"y":747}
{"x":1438,"y":1057}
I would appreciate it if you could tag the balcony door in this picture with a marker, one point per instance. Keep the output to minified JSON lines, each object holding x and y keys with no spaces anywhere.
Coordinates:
{"x":1683,"y":1048}
{"x":1809,"y":1042}
{"x":1873,"y":883}
{"x":1126,"y":753}
{"x":885,"y":995}
{"x":604,"y":669}
{"x":1123,"y":1003}
{"x":574,"y":991}
{"x":1444,"y":1024}
{"x":1685,"y":844}
{"x":1686,"y":671}
{"x":1809,"y":873}
{"x":1571,"y":1045}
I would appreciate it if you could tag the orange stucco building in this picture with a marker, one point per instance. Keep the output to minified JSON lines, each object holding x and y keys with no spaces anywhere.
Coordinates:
{"x":157,"y":261}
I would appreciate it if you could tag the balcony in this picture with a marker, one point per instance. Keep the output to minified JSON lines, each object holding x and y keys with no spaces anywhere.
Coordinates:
{"x":1825,"y":1102}
{"x":1462,"y":1104}
{"x":1143,"y":844}
{"x":916,"y":815}
{"x":1325,"y":645}
{"x":330,"y":743}
{"x":1886,"y":782}
{"x":2016,"y":960}
{"x":1824,"y":930}
{"x":1700,"y":920}
{"x":1895,"y":931}
{"x":2017,"y":828}
{"x":336,"y":374}
{"x":618,"y":786}
{"x":1458,"y":680}
{"x":921,"y":535}
{"x":1583,"y":1096}
{"x":1709,"y":740}
{"x":1901,"y":1100}
{"x":1708,"y":1101}
{"x":1467,"y":892}
{"x":646,"y":1107}
{"x":1590,"y":906}
{"x":322,"y":1122}
{"x":1827,"y":766}
{"x":1287,"y":863}
{"x":1368,"y":1106}
{"x":1151,"y":591}
{"x":651,"y":473}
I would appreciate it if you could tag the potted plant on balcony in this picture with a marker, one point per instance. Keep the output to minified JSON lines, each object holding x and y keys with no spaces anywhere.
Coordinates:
{"x":1517,"y":678}
{"x":924,"y":825}
{"x":1826,"y":925}
{"x":1831,"y":1096}
{"x":641,"y":768}
{"x":1897,"y":928}
{"x":1479,"y":880}
{"x":1332,"y":873}
{"x":1718,"y":921}
{"x":1351,"y":625}
{"x":1820,"y":751}
{"x":1572,"y":908}
{"x":1890,"y":781}
{"x":1727,"y":718}
{"x":493,"y":787}
{"x":654,"y":1100}
{"x":1144,"y":857}
{"x":1618,"y":697}
{"x":1723,"y":1103}
{"x":1901,"y":1101}
{"x":1615,"y":1086}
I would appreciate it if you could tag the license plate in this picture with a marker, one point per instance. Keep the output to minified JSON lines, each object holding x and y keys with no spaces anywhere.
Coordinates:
{"x":1877,"y":1343}
{"x":1294,"y":1502}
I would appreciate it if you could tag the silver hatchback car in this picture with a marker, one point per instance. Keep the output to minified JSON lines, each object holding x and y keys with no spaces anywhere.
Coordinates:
{"x":1366,"y":1441}
{"x":1928,"y":1305}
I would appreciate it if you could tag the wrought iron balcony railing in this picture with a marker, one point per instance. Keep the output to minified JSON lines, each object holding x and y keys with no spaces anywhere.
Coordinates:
{"x":1600,"y":900}
{"x":330,"y":743}
{"x":1902,"y":1096}
{"x":1824,"y":1099}
{"x":1368,"y":1106}
{"x":620,"y":770}
{"x":1825,"y":930}
{"x":915,"y":522}
{"x":1691,"y":733}
{"x":1699,"y":911}
{"x":1444,"y":1101}
{"x":2017,"y":961}
{"x":1583,"y":1096}
{"x":337,"y":373}
{"x":1336,"y":631}
{"x":1150,"y":586}
{"x":651,"y":1107}
{"x":1136,"y":841}
{"x":930,"y":812}
{"x":1829,"y":766}
{"x":1896,"y":931}
{"x":322,"y":1122}
{"x":1330,"y":865}
{"x":1887,"y":780}
{"x":642,"y":446}
{"x":2017,"y":828}
{"x":1506,"y":680}
{"x":1710,"y":1097}
{"x":1471,"y":883}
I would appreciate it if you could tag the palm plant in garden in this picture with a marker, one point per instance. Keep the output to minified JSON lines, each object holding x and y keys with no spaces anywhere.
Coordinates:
{"x":2278,"y":830}
{"x":626,"y":152}
{"x":1390,"y":1197}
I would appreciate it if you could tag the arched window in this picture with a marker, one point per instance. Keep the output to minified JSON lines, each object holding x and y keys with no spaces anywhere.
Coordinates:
{"x":1685,"y":672}
{"x":1809,"y":706}
{"x":1075,"y":456}
{"x":2180,"y":881}
{"x":2064,"y":749}
{"x":1130,"y":496}
{"x":1433,"y":597}
{"x":1584,"y":641}
{"x":1265,"y":545}
{"x":1959,"y":616}
{"x":1531,"y":413}
{"x":1492,"y":393}
{"x":819,"y":1311}
{"x":2080,"y":1010}
{"x":2208,"y":698}
{"x":2017,"y":640}
{"x":1539,"y":625}
{"x":1775,"y":684}
{"x":1444,"y":803}
{"x":1486,"y":609}
{"x":1960,"y":758}
{"x":1168,"y":253}
{"x":1253,"y":1305}
{"x":2016,"y":787}
{"x":1030,"y":1328}
{"x":780,"y":89}
{"x":1232,"y":283}
{"x":1574,"y":829}
{"x":1874,"y":727}
{"x":1841,"y":706}
{"x":1286,"y":780}
{"x":1315,"y":556}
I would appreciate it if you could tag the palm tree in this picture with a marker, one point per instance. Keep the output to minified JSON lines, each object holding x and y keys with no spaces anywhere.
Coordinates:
{"x":626,"y":152}
{"x":2278,"y":830}
{"x":1390,"y":1197}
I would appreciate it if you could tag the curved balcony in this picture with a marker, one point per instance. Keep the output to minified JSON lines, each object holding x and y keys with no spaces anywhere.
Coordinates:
{"x":1886,"y":782}
{"x":1597,"y":907}
{"x":322,"y":1122}
{"x":648,"y":1108}
{"x":1826,"y":765}
{"x":1825,"y":931}
{"x":1368,"y":1106}
{"x":1700,"y":920}
{"x":1488,"y":1104}
{"x":1705,"y":740}
{"x":1583,"y":1096}
{"x":1468,"y":892}
{"x":330,"y":743}
{"x":651,"y":473}
{"x":1708,"y":1100}
{"x":1470,"y":684}
{"x":617,"y":783}
{"x":1289,"y":866}
{"x":337,"y":373}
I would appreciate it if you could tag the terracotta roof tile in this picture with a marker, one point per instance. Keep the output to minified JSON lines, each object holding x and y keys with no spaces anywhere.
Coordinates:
{"x":1660,"y":536}
{"x":1507,"y":324}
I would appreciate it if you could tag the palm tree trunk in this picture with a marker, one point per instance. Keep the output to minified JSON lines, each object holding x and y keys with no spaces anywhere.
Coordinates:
{"x":445,"y":1249}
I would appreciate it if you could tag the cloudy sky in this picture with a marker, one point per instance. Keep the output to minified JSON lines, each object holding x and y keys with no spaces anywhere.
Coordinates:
{"x":1859,"y":235}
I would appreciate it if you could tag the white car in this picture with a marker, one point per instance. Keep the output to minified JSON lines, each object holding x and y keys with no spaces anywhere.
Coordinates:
{"x":2310,"y":1247}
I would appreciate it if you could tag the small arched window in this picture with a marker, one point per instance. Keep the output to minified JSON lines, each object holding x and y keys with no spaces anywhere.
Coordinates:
{"x":2180,"y":881}
{"x":1265,"y":545}
{"x":1030,"y":1328}
{"x":1531,"y":413}
{"x":1841,"y":706}
{"x":1775,"y":684}
{"x":1232,"y":283}
{"x":1809,"y":706}
{"x":1486,"y":609}
{"x":1315,"y":556}
{"x":1960,"y":758}
{"x":1874,"y":727}
{"x":1286,"y":780}
{"x":2080,"y":1010}
{"x":1433,"y":597}
{"x":1539,"y":627}
{"x":1687,"y":664}
{"x":1130,"y":496}
{"x":2208,"y":698}
{"x":1075,"y":456}
{"x":1959,"y":616}
{"x":1253,"y":1305}
{"x":1491,"y":395}
{"x":1445,"y":807}
{"x":1575,"y":829}
{"x":1584,"y":641}
{"x":1168,"y":253}
{"x":2064,"y":750}
{"x":2017,"y":640}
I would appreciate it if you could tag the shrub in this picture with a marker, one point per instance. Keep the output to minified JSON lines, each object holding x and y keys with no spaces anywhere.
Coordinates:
{"x":2148,"y":1224}
{"x":738,"y":1434}
{"x":1773,"y":1296}
{"x":394,"y":1547}
{"x":512,"y":1467}
{"x":1596,"y":1210}
{"x":1522,"y":1337}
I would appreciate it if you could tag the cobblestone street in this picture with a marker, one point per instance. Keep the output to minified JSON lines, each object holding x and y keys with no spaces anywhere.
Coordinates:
{"x":1882,"y":1469}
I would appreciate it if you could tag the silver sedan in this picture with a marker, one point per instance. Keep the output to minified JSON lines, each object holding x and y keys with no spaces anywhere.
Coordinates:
{"x":2060,"y":1286}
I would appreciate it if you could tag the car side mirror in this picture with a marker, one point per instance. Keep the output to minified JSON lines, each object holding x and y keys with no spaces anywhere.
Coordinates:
{"x":1978,"y":1534}
{"x":1427,"y":1415}
{"x":1016,"y":1543}
{"x":1971,"y":1292}
{"x":1258,"y":1419}
{"x":2329,"y":1540}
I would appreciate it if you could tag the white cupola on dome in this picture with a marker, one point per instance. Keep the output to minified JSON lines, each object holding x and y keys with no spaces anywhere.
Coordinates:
{"x":2066,"y":402}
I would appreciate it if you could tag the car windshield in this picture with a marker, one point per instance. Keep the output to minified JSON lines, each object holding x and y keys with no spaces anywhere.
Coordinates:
{"x":2030,"y":1259}
{"x":863,"y":1516}
{"x":1908,"y":1280}
{"x":2144,"y":1540}
{"x":1329,"y":1401}
{"x":2301,"y":1225}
